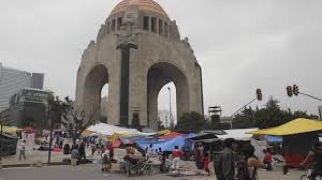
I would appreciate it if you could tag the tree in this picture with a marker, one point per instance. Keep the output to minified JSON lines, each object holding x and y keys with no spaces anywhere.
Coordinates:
{"x":270,"y":116}
{"x":65,"y":110}
{"x":160,"y":125}
{"x":191,"y":122}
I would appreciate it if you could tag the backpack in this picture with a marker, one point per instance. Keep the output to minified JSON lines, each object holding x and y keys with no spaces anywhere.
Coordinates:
{"x":242,"y":171}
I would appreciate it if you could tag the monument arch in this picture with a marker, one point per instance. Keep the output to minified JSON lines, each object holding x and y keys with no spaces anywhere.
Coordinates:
{"x":137,"y":51}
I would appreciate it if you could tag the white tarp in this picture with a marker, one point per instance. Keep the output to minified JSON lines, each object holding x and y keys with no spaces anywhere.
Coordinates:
{"x":109,"y":130}
{"x":238,"y":134}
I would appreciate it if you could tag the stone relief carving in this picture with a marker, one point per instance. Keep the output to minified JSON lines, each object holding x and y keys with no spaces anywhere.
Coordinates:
{"x":128,"y":30}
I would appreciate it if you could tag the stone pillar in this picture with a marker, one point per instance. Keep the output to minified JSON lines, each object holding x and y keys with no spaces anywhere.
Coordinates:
{"x":157,"y":25}
{"x":150,"y":23}
{"x":124,"y":85}
{"x":116,"y":25}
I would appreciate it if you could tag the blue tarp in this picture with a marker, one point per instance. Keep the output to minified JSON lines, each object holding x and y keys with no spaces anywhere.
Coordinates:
{"x":167,"y":145}
{"x":274,"y":139}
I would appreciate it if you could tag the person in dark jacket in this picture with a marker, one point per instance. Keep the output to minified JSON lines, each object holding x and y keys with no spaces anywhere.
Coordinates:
{"x":227,"y":162}
{"x":81,"y":151}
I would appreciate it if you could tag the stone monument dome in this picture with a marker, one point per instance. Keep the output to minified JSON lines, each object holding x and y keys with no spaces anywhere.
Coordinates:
{"x":138,"y":51}
{"x":143,"y":5}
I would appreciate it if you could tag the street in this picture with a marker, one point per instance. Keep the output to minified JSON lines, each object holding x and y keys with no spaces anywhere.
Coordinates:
{"x":92,"y":172}
{"x":82,"y":172}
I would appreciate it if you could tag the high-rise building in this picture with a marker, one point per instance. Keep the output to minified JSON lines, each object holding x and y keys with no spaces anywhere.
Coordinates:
{"x":12,"y":80}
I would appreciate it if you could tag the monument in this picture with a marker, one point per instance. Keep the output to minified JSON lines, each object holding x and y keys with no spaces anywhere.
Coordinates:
{"x":138,"y":50}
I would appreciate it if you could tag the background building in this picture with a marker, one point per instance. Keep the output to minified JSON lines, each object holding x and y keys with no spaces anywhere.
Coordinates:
{"x":29,"y":107}
{"x":164,"y":117}
{"x":12,"y":80}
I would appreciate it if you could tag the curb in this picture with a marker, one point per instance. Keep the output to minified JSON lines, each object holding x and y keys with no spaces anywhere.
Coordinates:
{"x":35,"y":165}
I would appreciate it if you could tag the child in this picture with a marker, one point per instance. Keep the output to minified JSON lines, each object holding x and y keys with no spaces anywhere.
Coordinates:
{"x":205,"y":162}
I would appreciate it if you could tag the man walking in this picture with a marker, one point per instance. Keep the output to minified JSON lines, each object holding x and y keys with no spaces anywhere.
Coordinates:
{"x":22,"y":150}
{"x":225,"y":167}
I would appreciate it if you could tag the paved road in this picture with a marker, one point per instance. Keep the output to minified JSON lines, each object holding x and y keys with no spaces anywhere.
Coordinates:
{"x":82,"y":172}
{"x":92,"y":172}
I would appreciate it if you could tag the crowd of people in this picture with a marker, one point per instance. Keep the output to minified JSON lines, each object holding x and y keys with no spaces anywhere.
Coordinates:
{"x":227,"y":165}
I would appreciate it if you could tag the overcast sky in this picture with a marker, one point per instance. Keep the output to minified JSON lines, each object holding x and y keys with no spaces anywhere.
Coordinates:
{"x":240,"y":45}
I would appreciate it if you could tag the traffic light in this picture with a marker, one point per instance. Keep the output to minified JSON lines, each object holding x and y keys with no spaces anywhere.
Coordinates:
{"x":259,"y":94}
{"x":289,"y":91}
{"x":295,"y":90}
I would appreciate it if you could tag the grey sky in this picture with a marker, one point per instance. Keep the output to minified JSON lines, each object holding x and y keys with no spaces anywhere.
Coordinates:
{"x":241,"y":45}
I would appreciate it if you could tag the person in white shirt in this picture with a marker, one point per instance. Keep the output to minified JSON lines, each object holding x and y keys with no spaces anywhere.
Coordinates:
{"x":22,"y":150}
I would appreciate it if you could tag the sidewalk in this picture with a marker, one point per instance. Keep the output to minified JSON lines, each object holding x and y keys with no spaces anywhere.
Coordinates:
{"x":33,"y":157}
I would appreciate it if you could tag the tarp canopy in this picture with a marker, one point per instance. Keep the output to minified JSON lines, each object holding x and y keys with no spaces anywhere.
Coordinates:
{"x":238,"y":134}
{"x":274,"y":139}
{"x":10,"y":129}
{"x":203,"y":136}
{"x":296,"y":126}
{"x":172,"y":135}
{"x":109,"y":130}
{"x":166,"y":145}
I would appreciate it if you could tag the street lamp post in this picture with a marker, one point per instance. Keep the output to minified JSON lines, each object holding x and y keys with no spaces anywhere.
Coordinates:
{"x":170,"y":111}
{"x":50,"y":132}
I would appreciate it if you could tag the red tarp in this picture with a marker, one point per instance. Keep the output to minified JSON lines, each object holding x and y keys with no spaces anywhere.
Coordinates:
{"x":29,"y":129}
{"x":172,"y":135}
{"x":297,"y":146}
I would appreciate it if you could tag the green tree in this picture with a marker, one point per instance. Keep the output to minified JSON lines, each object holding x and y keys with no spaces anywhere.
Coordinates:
{"x":64,"y":109}
{"x":193,"y":122}
{"x":245,"y":119}
{"x":270,"y":116}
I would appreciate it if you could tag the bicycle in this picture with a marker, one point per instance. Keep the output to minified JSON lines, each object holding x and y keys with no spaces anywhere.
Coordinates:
{"x":308,"y":173}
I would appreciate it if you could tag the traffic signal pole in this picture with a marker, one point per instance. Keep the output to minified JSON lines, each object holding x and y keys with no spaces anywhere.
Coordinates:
{"x":295,"y":91}
{"x":313,"y":97}
{"x":243,"y":107}
{"x":259,"y":97}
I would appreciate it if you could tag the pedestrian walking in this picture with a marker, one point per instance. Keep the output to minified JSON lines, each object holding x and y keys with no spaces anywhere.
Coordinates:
{"x":176,"y":155}
{"x":267,"y":160}
{"x":22,"y":150}
{"x":225,"y":165}
{"x":205,"y":162}
{"x":198,"y":154}
{"x":248,"y":167}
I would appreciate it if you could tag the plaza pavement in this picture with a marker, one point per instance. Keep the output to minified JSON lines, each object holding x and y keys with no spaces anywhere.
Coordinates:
{"x":92,"y":171}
